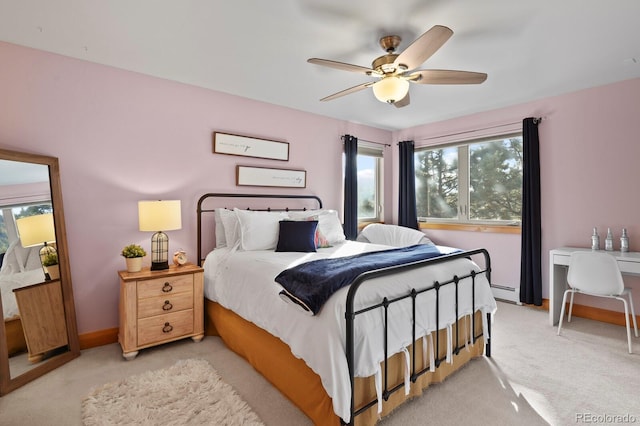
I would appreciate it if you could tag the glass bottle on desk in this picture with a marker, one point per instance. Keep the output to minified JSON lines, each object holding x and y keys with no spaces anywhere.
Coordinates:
{"x":624,"y":241}
{"x":608,"y":242}
{"x":595,"y":240}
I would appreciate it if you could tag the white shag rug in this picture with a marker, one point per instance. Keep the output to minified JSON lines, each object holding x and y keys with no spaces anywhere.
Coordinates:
{"x":187,"y":393}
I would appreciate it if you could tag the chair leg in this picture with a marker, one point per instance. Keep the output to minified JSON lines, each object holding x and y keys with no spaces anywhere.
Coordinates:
{"x":626,"y":319}
{"x":570,"y":306}
{"x":563,"y":308}
{"x":633,"y":315}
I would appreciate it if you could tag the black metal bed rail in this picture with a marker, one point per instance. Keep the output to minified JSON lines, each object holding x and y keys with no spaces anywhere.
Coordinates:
{"x":203,"y":198}
{"x":351,"y":313}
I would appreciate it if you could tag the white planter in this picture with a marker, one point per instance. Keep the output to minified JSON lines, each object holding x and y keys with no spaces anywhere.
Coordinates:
{"x":134,"y":264}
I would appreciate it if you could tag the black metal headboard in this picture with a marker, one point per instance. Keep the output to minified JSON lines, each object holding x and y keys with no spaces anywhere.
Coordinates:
{"x":205,"y":197}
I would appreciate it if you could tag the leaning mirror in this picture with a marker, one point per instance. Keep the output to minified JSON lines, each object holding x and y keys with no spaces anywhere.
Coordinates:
{"x":38,"y":332}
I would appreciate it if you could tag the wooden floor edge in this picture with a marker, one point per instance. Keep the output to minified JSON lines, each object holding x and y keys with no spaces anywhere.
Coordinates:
{"x":110,"y":335}
{"x":98,"y":338}
{"x":592,"y":313}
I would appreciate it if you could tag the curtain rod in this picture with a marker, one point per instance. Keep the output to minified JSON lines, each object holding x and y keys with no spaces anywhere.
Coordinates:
{"x":364,"y":140}
{"x":536,"y":120}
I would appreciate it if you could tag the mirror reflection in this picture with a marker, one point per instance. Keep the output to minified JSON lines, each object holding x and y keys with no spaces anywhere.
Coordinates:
{"x":30,"y":287}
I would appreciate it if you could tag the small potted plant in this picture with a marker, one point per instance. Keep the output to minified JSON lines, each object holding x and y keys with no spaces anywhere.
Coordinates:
{"x":50,"y":263}
{"x":133,"y":255}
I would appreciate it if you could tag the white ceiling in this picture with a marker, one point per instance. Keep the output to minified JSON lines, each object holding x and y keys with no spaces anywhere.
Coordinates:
{"x":17,"y":172}
{"x":258,"y":49}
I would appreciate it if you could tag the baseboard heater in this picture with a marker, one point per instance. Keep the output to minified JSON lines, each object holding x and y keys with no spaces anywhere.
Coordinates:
{"x":507,"y":294}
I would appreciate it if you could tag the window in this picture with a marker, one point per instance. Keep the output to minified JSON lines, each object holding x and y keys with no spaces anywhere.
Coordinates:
{"x":4,"y":237}
{"x":369,"y":184}
{"x":478,"y":181}
{"x":8,"y":216}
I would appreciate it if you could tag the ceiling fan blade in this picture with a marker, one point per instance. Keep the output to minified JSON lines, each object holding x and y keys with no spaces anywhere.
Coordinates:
{"x":423,"y":47}
{"x":348,"y":91}
{"x":446,"y":77}
{"x":340,"y":65}
{"x":402,"y":102}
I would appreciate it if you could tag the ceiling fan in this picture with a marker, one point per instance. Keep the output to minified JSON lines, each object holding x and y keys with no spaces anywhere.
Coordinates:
{"x":395,"y":71}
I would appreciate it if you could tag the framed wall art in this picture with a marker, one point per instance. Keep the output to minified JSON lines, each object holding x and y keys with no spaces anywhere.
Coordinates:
{"x":247,"y":146}
{"x":267,"y":176}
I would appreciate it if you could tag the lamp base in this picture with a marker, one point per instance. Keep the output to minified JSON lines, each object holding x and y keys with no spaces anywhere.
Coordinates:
{"x":159,"y":266}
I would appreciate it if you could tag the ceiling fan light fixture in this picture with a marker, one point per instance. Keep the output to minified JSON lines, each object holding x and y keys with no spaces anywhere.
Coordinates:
{"x":391,"y":89}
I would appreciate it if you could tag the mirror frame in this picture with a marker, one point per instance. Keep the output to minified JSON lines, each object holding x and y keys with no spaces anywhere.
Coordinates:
{"x":8,"y":383}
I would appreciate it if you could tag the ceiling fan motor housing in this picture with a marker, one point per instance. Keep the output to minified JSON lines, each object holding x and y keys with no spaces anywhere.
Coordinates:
{"x":385,"y":63}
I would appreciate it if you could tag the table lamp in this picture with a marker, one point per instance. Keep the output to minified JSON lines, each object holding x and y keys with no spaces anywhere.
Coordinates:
{"x":36,"y":230}
{"x":159,"y":216}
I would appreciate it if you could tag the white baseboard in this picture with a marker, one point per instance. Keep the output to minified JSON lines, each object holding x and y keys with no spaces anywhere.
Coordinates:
{"x":508,"y":294}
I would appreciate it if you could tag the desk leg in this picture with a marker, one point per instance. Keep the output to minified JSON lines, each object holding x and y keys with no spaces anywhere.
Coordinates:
{"x":557,"y":286}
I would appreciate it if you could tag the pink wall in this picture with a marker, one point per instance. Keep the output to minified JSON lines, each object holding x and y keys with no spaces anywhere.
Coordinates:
{"x":122,"y":137}
{"x":589,"y":155}
{"x":116,"y":131}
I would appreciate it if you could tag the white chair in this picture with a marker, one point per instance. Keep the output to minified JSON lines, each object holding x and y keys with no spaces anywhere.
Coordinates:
{"x":597,"y":274}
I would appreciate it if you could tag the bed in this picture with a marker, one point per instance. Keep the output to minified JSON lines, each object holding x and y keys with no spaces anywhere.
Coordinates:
{"x":370,"y":345}
{"x":20,"y":267}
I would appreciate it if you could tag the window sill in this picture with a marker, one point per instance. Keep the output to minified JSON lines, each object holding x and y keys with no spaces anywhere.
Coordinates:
{"x":470,"y":227}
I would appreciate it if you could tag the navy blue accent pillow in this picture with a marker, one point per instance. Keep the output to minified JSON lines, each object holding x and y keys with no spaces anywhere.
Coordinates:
{"x":297,"y":236}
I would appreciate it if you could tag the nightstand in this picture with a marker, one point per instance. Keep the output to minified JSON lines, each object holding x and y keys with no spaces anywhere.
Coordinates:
{"x":160,"y":306}
{"x":42,"y":315}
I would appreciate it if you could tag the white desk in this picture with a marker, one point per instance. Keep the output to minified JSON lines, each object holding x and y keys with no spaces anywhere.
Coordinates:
{"x":629,"y":263}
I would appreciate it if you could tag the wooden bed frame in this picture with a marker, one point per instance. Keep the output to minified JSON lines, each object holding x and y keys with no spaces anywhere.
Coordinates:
{"x":274,"y":360}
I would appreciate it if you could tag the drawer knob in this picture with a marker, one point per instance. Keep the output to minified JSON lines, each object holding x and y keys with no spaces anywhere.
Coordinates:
{"x":167,"y":287}
{"x":167,"y":306}
{"x":167,"y":328}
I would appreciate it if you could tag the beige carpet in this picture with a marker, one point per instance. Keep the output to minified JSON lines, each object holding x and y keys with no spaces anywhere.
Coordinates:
{"x":534,"y":378}
{"x":188,"y":393}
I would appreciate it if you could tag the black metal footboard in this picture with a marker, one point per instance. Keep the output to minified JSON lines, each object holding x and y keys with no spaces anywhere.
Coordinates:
{"x":351,"y":315}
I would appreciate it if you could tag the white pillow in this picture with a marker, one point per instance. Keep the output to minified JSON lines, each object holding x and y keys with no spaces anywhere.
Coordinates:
{"x":10,"y":264}
{"x":259,"y":230}
{"x":221,"y":240}
{"x":328,"y":222}
{"x":231,"y":227}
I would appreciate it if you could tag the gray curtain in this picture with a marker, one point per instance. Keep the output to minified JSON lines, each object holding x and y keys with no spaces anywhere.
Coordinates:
{"x":407,"y":214}
{"x":350,"y":187}
{"x":530,"y":263}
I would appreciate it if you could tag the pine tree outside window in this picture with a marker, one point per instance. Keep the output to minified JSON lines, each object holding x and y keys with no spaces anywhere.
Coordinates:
{"x":479,"y":181}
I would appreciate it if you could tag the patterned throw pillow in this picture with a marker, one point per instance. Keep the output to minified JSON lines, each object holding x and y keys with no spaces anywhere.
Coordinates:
{"x":329,"y":227}
{"x":321,"y":240}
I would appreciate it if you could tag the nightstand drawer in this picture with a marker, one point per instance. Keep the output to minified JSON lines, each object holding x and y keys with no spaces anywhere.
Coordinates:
{"x":165,"y":327}
{"x":165,"y":286}
{"x":170,"y":303}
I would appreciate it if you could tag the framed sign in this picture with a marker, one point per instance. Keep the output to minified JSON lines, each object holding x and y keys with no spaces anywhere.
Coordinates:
{"x":266,"y":176}
{"x":246,"y":146}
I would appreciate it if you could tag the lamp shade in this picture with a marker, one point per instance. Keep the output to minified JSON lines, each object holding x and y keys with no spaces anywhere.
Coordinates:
{"x":36,"y":230}
{"x":163,"y":215}
{"x":391,"y":89}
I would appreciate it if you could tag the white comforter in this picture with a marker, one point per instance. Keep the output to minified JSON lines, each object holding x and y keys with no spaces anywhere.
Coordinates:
{"x":243,"y":281}
{"x":9,"y":282}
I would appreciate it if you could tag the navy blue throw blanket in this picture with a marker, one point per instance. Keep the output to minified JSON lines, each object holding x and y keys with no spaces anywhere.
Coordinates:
{"x":311,"y":284}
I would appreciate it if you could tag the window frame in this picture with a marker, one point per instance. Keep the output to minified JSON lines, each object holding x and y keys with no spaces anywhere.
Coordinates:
{"x":377,"y":153}
{"x":464,"y":200}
